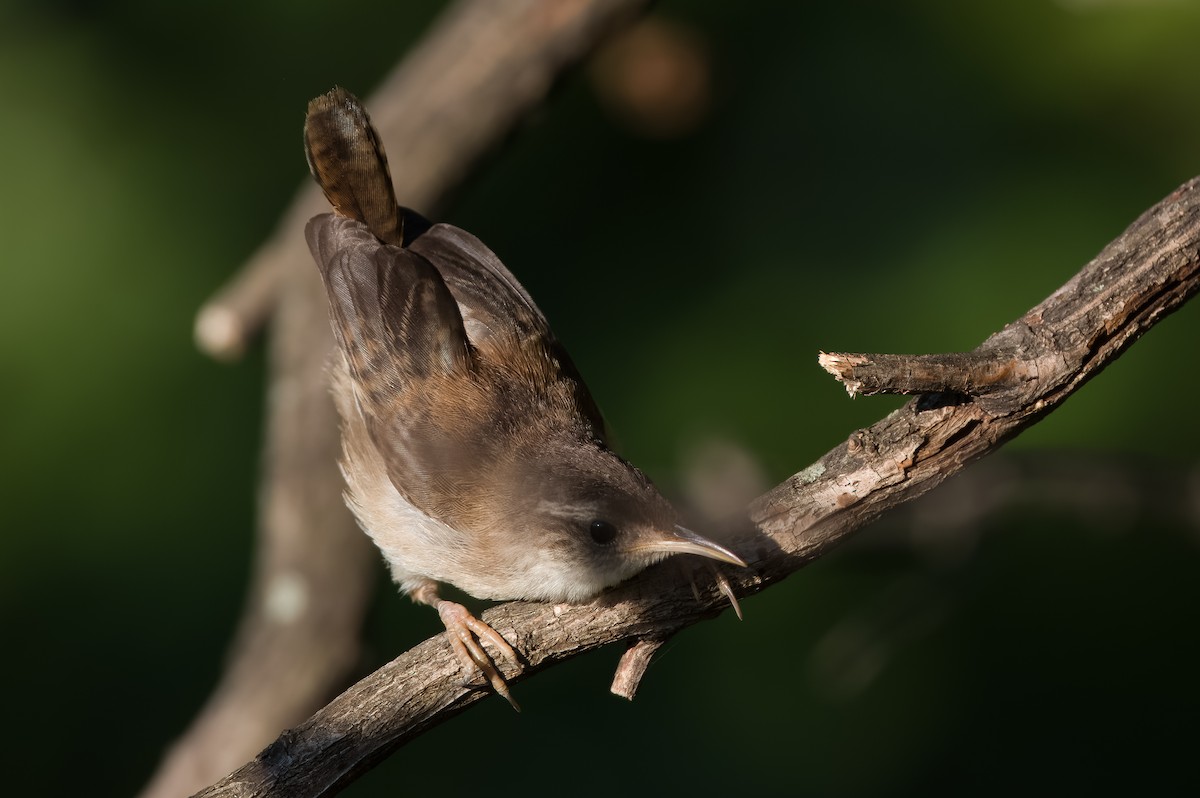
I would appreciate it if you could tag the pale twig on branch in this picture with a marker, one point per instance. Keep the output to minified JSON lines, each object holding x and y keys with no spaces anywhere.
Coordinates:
{"x":439,"y":112}
{"x":1146,"y":273}
{"x":633,"y":665}
{"x":968,"y":373}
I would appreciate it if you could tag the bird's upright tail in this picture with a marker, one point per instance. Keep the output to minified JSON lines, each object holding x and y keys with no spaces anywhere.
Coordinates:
{"x":346,"y":156}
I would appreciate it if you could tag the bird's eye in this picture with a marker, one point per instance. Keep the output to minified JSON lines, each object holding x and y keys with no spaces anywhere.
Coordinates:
{"x":602,"y":532}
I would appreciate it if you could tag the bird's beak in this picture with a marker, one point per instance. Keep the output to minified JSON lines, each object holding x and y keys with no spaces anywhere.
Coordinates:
{"x":685,"y":541}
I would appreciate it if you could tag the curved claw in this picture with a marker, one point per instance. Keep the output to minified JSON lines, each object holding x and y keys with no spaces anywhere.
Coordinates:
{"x":726,"y":589}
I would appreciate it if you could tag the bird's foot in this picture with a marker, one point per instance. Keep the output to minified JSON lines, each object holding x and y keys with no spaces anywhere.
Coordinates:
{"x":465,"y":634}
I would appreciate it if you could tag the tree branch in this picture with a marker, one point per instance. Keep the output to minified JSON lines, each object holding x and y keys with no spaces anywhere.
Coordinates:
{"x":1146,"y":273}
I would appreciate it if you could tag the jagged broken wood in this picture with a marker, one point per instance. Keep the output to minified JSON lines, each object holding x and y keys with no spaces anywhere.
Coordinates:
{"x":1146,"y":273}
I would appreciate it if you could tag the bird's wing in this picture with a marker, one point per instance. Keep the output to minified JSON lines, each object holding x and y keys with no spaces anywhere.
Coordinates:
{"x":392,"y":314}
{"x":408,"y":361}
{"x":496,"y":309}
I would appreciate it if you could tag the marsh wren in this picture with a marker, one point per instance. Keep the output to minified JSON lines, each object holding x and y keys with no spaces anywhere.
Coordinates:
{"x":473,"y":452}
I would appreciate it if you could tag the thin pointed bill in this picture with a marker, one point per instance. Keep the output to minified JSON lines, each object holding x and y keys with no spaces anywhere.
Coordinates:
{"x":685,"y":541}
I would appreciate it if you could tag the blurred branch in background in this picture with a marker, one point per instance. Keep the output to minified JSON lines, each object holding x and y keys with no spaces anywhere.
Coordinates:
{"x":1138,"y":279}
{"x":477,"y":72}
{"x":1106,"y":494}
{"x":942,"y":535}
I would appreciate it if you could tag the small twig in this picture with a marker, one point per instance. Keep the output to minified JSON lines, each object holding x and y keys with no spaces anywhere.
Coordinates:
{"x":966,"y":373}
{"x":633,"y":665}
{"x":227,"y":323}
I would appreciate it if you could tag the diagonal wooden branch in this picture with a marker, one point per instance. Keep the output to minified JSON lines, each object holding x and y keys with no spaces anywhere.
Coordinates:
{"x":1148,"y":272}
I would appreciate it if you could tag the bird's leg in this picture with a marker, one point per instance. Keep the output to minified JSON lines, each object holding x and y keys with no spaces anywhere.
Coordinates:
{"x":465,"y":633}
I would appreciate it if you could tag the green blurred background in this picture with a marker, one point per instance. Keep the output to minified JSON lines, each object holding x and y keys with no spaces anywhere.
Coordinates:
{"x":872,"y":176}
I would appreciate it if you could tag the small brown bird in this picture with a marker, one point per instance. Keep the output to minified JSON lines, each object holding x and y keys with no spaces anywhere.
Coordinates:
{"x":473,"y":453}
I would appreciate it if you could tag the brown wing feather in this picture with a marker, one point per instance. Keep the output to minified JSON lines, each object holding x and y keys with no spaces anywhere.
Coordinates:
{"x":393,"y":317}
{"x":499,"y":314}
{"x":409,"y":366}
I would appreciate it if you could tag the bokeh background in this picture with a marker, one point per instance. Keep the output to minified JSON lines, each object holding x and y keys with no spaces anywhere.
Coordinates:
{"x":871,"y":176}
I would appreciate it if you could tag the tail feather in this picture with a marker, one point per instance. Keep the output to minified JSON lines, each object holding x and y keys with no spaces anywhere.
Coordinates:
{"x":346,"y":156}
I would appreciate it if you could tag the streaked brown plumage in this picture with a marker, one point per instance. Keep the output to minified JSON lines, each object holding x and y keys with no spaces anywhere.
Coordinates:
{"x":473,"y":452}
